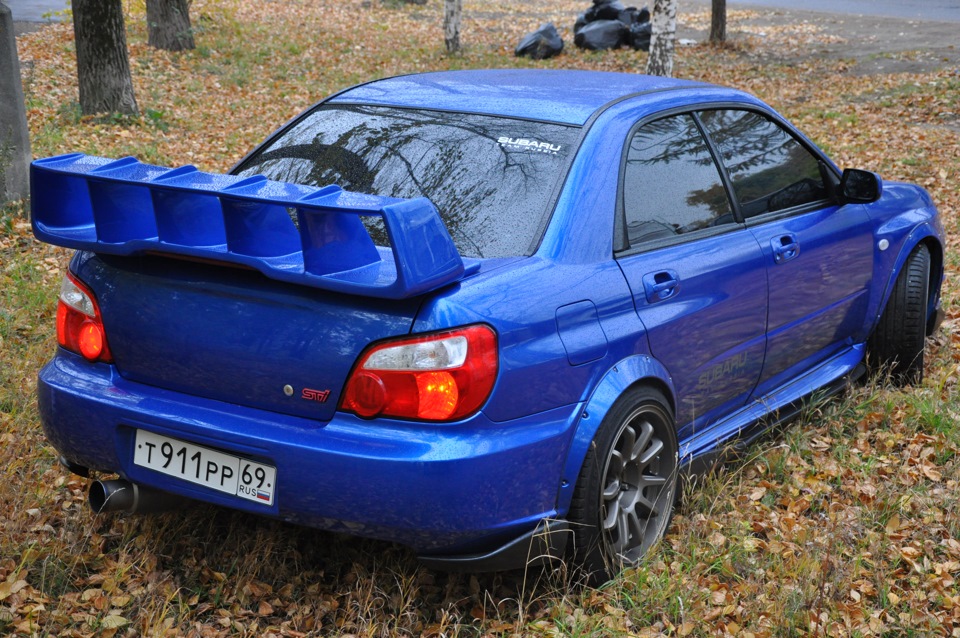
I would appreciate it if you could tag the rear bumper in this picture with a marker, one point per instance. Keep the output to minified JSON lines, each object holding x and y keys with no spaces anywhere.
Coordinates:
{"x":440,"y":489}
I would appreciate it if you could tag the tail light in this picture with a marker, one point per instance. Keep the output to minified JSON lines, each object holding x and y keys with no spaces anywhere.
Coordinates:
{"x":439,"y":377}
{"x":79,"y":326}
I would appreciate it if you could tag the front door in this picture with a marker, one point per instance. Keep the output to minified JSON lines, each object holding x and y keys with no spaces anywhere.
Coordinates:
{"x":818,"y":256}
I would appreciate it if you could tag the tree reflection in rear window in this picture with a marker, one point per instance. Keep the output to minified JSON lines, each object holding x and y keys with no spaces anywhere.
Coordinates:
{"x":491,"y":178}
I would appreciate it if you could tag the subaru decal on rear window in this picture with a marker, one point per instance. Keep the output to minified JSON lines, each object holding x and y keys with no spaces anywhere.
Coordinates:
{"x":521,"y":144}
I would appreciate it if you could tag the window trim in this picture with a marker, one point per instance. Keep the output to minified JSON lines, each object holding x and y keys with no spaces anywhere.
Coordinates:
{"x":621,"y":244}
{"x":621,"y":240}
{"x":787,"y":128}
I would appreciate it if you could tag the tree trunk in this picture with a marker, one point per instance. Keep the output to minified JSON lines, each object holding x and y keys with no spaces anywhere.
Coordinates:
{"x":664,"y":30}
{"x":14,"y":136}
{"x":451,"y":24}
{"x":718,"y":21}
{"x":102,"y":66}
{"x":168,"y":25}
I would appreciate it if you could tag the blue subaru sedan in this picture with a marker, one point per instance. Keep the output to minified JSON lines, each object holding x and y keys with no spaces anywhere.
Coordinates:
{"x":491,"y":315}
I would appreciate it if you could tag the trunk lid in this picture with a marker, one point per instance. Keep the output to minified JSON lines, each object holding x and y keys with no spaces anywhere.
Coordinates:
{"x":231,"y":334}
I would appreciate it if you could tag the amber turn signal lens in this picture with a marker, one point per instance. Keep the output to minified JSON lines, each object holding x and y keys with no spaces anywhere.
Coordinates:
{"x":90,"y":340}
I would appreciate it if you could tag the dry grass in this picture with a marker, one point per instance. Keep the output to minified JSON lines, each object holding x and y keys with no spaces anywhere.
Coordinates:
{"x":846,"y":524}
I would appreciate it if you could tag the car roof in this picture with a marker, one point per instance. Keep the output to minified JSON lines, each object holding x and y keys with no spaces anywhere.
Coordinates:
{"x":564,"y":96}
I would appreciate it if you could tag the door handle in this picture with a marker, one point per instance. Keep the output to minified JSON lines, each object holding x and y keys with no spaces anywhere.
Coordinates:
{"x":662,"y":285}
{"x":785,"y":247}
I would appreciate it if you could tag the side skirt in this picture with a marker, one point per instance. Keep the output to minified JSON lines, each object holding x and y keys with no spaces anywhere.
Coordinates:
{"x":725,"y":439}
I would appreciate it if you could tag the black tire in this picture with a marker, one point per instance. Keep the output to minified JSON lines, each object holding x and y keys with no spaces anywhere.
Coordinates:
{"x":897,"y":343}
{"x":627,"y":486}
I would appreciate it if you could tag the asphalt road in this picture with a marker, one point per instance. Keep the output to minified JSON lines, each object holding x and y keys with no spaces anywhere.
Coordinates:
{"x":932,"y":10}
{"x":35,"y":10}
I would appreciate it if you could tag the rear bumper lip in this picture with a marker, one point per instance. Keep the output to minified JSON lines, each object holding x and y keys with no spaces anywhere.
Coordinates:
{"x":543,"y":545}
{"x":445,"y":489}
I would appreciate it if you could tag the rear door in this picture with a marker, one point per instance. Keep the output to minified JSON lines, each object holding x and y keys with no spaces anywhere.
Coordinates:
{"x":818,"y":257}
{"x":697,"y":274}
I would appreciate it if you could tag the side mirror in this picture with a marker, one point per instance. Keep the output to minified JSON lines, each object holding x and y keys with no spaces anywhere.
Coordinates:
{"x":860,"y":187}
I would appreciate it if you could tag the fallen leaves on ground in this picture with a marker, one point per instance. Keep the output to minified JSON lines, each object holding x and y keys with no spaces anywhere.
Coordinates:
{"x":845,"y":524}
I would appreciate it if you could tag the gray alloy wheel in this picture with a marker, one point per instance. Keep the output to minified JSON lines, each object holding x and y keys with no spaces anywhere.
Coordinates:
{"x":898,"y":340}
{"x":633,"y":513}
{"x":627,"y":487}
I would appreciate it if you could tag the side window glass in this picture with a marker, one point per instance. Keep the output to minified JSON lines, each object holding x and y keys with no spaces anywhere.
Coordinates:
{"x":769,"y":169}
{"x":671,"y":185}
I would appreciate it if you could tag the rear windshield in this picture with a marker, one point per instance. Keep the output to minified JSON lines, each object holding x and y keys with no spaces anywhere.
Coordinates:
{"x":491,"y":178}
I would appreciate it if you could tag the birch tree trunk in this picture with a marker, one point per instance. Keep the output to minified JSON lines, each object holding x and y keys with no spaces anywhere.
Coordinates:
{"x":168,"y":25}
{"x":664,"y":30}
{"x":451,"y":24}
{"x":718,"y":21}
{"x":103,"y":70}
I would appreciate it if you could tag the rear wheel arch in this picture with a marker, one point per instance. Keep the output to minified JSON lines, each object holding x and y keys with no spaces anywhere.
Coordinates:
{"x":627,"y":374}
{"x":626,"y":490}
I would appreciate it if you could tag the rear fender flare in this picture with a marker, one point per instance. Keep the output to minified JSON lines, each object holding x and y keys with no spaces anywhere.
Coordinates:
{"x":626,"y":373}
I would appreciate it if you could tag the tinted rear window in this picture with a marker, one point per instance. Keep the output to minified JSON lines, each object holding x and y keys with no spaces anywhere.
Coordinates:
{"x":491,"y":178}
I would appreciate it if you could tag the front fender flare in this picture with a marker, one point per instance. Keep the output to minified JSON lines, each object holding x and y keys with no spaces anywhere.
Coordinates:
{"x":624,"y":374}
{"x":919,"y":235}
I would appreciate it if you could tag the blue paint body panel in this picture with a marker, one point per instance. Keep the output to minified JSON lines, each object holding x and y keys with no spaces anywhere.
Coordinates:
{"x":731,"y":325}
{"x":544,"y":95}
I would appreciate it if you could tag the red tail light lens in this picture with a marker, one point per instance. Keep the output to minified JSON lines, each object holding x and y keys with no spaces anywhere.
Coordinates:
{"x":440,"y":377}
{"x":79,"y":327}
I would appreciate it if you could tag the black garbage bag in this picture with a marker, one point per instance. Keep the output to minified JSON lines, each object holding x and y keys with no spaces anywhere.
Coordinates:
{"x":633,"y":15}
{"x":629,"y":15}
{"x":639,"y":36}
{"x":580,"y":23}
{"x":543,"y":43}
{"x":601,"y":35}
{"x":604,"y":10}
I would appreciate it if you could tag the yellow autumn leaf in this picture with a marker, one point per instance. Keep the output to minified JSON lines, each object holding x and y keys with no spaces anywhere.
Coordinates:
{"x":114,"y":622}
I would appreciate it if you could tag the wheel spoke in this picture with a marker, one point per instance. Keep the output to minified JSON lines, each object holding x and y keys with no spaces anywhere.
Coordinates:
{"x":612,"y":490}
{"x":635,"y":524}
{"x":626,"y":444}
{"x":613,"y":515}
{"x":651,"y":480}
{"x":656,"y":446}
{"x":646,"y":432}
{"x":648,"y":506}
{"x":623,"y":531}
{"x":615,"y":469}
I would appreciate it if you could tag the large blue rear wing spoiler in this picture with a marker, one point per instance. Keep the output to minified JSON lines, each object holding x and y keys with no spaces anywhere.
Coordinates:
{"x":289,"y":232}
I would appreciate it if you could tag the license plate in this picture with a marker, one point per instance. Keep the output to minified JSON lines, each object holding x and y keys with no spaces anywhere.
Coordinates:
{"x":204,"y":466}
